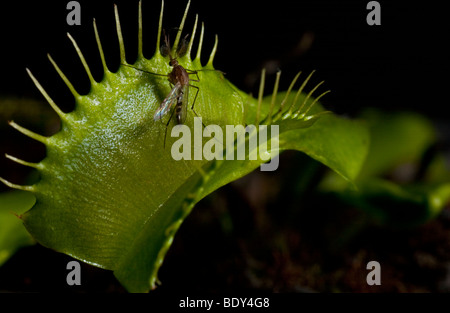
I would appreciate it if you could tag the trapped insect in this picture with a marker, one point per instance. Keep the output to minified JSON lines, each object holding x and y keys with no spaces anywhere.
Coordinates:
{"x":179,"y":81}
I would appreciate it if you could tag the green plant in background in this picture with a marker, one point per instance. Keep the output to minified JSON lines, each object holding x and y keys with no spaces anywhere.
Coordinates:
{"x":111,"y":195}
{"x":402,"y":182}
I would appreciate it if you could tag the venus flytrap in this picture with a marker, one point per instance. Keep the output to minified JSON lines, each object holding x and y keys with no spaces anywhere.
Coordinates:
{"x":111,"y":195}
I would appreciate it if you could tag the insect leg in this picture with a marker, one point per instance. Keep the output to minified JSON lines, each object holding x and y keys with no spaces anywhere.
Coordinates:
{"x":167,"y":126}
{"x":195,"y":97}
{"x":193,"y":103}
{"x":192,"y":108}
{"x":144,"y":71}
{"x":191,"y":72}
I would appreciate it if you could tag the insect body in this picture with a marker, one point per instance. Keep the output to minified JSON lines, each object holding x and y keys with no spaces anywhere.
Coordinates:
{"x":180,"y":83}
{"x":179,"y":95}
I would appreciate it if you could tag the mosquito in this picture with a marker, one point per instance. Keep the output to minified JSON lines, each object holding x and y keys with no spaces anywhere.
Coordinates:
{"x":179,"y":82}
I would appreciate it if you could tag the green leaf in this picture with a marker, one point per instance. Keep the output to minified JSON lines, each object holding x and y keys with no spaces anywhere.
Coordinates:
{"x":396,"y":138}
{"x":315,"y":142}
{"x":393,"y":205}
{"x":13,"y":234}
{"x":111,"y":193}
{"x":337,"y":142}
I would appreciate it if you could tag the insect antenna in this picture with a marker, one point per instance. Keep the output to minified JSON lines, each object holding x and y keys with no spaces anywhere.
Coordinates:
{"x":182,"y":47}
{"x":165,"y":47}
{"x":144,"y":71}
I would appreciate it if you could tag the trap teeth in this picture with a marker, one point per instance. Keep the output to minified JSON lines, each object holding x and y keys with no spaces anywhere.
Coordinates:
{"x":15,"y":186}
{"x":119,"y":35}
{"x":83,"y":60}
{"x":22,"y":162}
{"x":29,"y":133}
{"x":58,"y":111}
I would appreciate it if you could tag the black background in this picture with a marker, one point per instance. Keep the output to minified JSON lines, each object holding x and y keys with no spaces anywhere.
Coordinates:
{"x":400,"y":64}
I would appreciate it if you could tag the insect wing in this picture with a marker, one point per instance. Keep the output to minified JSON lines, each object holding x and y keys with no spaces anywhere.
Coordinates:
{"x":167,"y":103}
